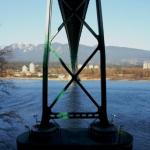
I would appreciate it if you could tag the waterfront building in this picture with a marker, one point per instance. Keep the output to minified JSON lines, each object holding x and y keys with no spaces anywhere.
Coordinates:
{"x":146,"y":65}
{"x":91,"y":66}
{"x":85,"y":67}
{"x":96,"y":66}
{"x":24,"y":69}
{"x":31,"y":68}
{"x":39,"y":74}
{"x":61,"y":76}
{"x":28,"y":74}
{"x":79,"y":66}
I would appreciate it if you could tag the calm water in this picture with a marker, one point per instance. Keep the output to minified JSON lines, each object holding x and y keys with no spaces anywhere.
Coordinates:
{"x":128,"y":100}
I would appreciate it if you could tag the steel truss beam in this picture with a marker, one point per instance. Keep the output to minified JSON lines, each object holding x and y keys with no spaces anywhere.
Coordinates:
{"x":101,"y":110}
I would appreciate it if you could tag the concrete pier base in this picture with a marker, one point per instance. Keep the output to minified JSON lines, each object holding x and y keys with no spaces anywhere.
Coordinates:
{"x":73,"y":139}
{"x":39,"y":133}
{"x":104,"y":134}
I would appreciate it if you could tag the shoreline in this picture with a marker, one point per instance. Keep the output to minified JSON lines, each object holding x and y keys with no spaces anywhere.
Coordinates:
{"x":56,"y":79}
{"x":35,"y":78}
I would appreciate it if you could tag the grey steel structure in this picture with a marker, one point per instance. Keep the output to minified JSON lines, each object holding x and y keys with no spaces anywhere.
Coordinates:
{"x":73,"y":14}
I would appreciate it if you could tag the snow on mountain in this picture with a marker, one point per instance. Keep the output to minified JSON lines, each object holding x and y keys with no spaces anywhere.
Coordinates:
{"x":114,"y":54}
{"x":22,"y":46}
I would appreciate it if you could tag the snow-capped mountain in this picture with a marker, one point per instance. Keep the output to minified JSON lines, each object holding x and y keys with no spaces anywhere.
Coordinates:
{"x":115,"y":55}
{"x":22,"y":46}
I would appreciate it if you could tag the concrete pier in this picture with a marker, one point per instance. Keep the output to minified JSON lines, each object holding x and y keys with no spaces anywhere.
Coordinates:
{"x":73,"y":139}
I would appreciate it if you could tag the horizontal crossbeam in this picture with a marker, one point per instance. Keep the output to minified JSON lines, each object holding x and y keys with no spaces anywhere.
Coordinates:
{"x":74,"y":115}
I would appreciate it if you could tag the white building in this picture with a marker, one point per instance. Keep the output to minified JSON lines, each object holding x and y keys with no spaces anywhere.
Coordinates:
{"x":28,"y":74}
{"x":146,"y":65}
{"x":40,"y":74}
{"x":85,"y":67}
{"x":61,"y":76}
{"x":96,"y":66}
{"x":69,"y":77}
{"x":32,"y":67}
{"x":24,"y":69}
{"x":79,"y":66}
{"x":91,"y":66}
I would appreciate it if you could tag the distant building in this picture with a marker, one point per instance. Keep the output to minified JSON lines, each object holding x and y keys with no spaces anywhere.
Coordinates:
{"x":24,"y":69}
{"x":146,"y":65}
{"x":61,"y":76}
{"x":16,"y":74}
{"x":85,"y":67}
{"x":28,"y":74}
{"x":91,"y":66}
{"x":39,"y":74}
{"x":31,"y":68}
{"x":69,"y":77}
{"x":79,"y":66}
{"x":96,"y":66}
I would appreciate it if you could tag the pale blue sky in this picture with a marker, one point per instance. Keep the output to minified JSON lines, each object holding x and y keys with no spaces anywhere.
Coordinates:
{"x":126,"y":22}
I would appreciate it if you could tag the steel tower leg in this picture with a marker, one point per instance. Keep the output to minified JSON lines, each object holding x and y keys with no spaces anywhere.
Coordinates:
{"x":101,"y":47}
{"x":45,"y":113}
{"x":102,"y":130}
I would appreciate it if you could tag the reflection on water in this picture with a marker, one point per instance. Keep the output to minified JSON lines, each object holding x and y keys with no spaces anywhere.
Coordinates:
{"x":74,"y":102}
{"x":74,"y":96}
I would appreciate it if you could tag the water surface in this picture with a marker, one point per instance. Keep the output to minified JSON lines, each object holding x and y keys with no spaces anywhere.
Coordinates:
{"x":128,"y":100}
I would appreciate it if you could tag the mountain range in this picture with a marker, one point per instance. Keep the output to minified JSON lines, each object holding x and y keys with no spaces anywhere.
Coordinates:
{"x":114,"y":54}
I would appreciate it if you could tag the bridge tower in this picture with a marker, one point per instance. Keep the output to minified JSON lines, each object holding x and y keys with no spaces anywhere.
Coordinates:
{"x":73,"y":14}
{"x":104,"y":133}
